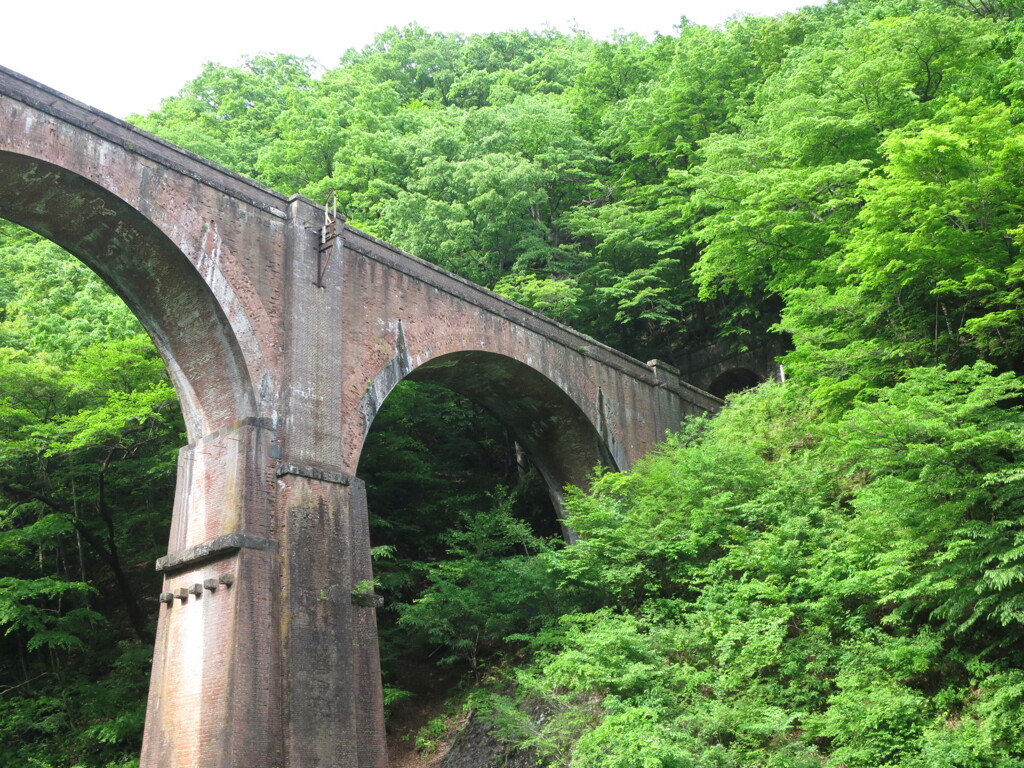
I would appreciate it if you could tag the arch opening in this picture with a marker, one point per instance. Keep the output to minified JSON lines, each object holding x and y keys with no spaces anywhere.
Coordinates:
{"x":149,"y":272}
{"x":549,"y":429}
{"x":554,"y":432}
{"x":90,"y":435}
{"x":471,"y":528}
{"x":433,"y":454}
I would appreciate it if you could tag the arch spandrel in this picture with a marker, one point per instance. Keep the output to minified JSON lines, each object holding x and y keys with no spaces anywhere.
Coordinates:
{"x":150,"y":273}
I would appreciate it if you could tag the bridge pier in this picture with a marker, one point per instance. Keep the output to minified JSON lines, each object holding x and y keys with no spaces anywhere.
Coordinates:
{"x":214,"y":697}
{"x":266,"y":652}
{"x":334,"y":701}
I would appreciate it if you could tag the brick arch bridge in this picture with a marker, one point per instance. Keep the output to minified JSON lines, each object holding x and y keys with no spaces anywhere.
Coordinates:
{"x":266,"y":655}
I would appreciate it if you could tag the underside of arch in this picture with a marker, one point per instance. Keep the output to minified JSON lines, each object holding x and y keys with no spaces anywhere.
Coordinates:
{"x":150,"y":273}
{"x":556,"y":434}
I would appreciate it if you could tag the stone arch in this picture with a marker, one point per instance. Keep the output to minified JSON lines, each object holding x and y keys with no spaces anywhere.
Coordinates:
{"x":149,"y":272}
{"x":733,"y":380}
{"x":557,"y":435}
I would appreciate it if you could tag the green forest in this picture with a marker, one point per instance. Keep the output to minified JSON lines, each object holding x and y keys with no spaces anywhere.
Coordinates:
{"x":828,"y":573}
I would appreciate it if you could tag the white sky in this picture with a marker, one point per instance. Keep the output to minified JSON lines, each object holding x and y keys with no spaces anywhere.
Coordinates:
{"x":124,"y":56}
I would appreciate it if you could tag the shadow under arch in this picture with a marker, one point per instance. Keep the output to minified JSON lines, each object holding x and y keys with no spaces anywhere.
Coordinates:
{"x":149,"y":272}
{"x":557,"y":436}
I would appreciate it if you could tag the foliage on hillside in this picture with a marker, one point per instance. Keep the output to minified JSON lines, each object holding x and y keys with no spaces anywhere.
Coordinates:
{"x":783,"y":588}
{"x":829,"y":573}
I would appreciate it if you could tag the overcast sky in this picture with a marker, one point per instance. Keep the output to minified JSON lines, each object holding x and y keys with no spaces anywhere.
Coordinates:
{"x":124,"y":56}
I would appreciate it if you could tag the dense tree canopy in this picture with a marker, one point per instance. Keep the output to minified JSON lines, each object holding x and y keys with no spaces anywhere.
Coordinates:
{"x":829,"y":573}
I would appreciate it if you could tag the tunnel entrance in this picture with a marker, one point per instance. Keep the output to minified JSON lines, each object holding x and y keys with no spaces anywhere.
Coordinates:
{"x":732,"y":381}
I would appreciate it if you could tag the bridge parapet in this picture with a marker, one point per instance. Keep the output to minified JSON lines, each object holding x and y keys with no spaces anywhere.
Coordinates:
{"x":144,"y":145}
